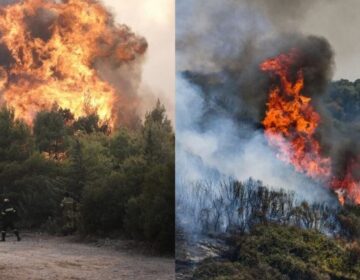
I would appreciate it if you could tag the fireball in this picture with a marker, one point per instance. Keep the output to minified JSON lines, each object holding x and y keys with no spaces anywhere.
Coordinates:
{"x":48,"y":54}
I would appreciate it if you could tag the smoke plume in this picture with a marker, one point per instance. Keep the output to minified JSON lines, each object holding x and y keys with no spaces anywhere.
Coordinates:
{"x":222,"y":92}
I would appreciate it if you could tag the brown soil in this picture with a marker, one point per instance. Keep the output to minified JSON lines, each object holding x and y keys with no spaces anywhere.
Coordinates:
{"x":40,"y":257}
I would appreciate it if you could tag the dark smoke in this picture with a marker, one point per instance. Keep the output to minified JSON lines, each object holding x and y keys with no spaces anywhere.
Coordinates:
{"x":240,"y":89}
{"x":284,"y":15}
{"x":240,"y":92}
{"x":8,"y":2}
{"x":5,"y":56}
{"x":41,"y":24}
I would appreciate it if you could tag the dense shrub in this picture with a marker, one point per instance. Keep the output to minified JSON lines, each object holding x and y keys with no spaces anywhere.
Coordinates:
{"x":281,"y":252}
{"x":110,"y":175}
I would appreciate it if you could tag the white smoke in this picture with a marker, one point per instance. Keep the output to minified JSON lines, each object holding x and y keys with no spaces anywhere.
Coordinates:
{"x":226,"y":150}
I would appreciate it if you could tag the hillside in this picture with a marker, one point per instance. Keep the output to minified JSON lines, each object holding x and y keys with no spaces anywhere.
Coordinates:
{"x":283,"y":253}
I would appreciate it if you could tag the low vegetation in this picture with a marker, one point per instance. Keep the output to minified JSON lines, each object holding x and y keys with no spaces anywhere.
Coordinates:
{"x":284,"y":253}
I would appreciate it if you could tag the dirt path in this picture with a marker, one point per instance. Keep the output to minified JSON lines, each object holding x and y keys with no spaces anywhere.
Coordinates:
{"x":58,"y":258}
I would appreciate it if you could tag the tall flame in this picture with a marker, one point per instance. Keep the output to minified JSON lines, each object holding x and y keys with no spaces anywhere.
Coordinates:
{"x":48,"y":53}
{"x":290,"y":124}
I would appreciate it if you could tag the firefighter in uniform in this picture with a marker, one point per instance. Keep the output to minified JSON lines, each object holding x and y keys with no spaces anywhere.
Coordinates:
{"x":68,"y":206}
{"x":8,"y":215}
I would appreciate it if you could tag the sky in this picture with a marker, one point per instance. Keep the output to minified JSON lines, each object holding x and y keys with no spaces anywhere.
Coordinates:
{"x":337,"y":21}
{"x":154,"y":20}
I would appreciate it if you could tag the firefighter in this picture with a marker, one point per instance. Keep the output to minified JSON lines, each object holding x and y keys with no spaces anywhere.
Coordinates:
{"x":68,"y":206}
{"x":8,"y":215}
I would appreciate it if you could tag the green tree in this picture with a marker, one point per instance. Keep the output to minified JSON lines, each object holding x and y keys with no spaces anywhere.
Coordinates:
{"x":158,"y":136}
{"x":90,"y":124}
{"x":37,"y":188}
{"x":51,"y":133}
{"x":151,"y":215}
{"x":76,"y":169}
{"x":15,"y":137}
{"x":125,"y":143}
{"x":89,"y":160}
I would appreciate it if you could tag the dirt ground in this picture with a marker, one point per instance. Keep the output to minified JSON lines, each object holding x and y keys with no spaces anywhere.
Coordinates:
{"x":43,"y":257}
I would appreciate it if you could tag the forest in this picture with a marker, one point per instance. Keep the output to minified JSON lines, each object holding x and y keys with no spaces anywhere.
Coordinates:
{"x":122,"y":179}
{"x":343,"y":100}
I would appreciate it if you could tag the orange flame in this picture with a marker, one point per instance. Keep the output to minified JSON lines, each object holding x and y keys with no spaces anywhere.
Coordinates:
{"x":347,"y":188}
{"x":290,"y":123}
{"x":55,"y":63}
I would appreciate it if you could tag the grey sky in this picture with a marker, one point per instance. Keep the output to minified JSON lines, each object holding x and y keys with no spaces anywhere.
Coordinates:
{"x":339,"y":22}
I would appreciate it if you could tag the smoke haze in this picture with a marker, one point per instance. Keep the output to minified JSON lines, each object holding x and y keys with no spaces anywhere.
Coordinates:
{"x":155,"y":19}
{"x":221,"y":93}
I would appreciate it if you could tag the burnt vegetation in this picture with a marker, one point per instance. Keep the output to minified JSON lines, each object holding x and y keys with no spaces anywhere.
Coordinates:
{"x":123,"y":180}
{"x":236,"y":207}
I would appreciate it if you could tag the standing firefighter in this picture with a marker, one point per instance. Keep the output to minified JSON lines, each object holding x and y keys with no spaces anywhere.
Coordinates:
{"x":8,"y":215}
{"x":68,"y":206}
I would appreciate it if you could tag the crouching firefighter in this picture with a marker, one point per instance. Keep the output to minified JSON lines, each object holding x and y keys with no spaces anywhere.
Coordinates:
{"x":8,"y":215}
